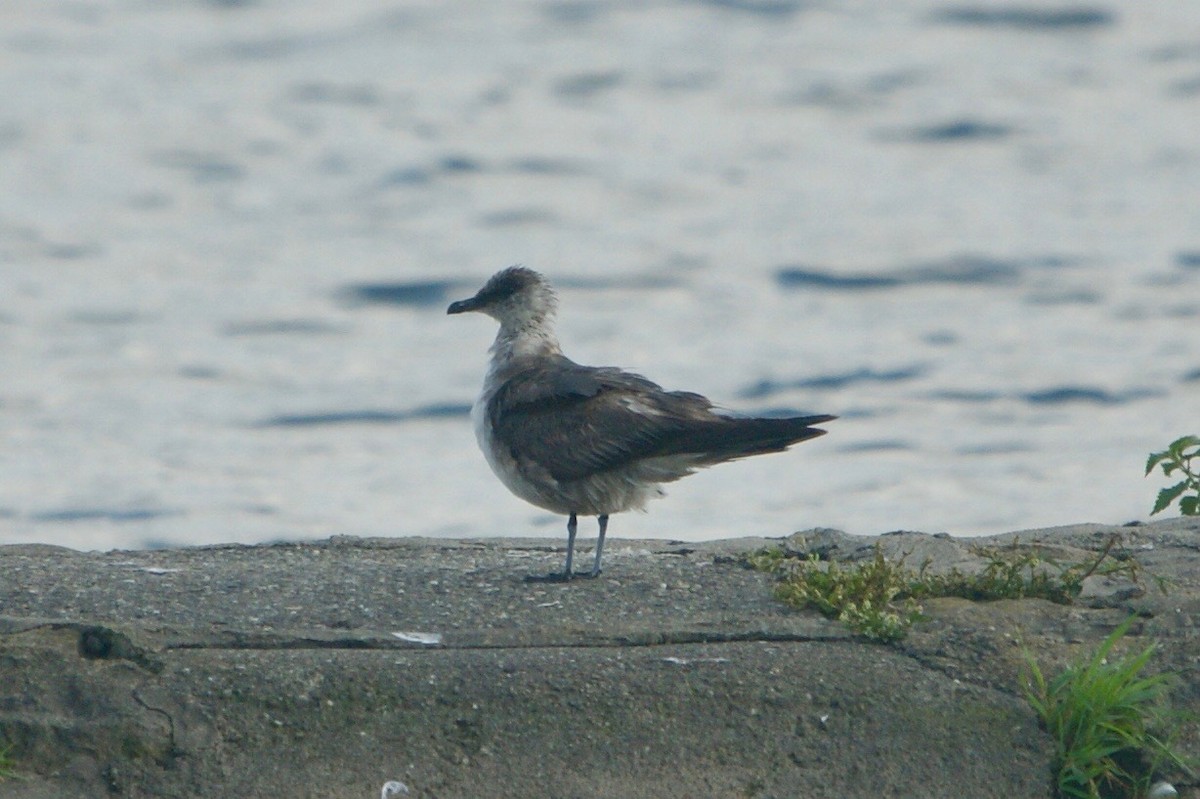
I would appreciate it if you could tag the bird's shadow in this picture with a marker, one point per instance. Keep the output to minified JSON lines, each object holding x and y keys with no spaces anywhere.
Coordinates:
{"x":560,"y":577}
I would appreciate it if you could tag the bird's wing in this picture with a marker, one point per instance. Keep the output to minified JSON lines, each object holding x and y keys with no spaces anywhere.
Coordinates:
{"x":574,"y":421}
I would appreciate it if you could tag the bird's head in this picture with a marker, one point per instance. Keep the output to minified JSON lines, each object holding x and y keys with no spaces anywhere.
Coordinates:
{"x":516,"y":297}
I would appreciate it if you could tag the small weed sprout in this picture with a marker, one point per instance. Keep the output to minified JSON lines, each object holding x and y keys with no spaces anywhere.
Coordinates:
{"x":6,"y":762}
{"x":1105,"y":717}
{"x":1178,"y":458}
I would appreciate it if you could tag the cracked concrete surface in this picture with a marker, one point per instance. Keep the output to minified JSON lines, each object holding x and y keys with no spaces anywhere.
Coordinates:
{"x":325,"y":669}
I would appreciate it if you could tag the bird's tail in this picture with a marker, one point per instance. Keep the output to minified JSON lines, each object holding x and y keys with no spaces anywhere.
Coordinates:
{"x":731,"y":438}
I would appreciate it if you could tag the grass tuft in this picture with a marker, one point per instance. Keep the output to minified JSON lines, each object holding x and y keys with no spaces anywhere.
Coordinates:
{"x":1106,"y":718}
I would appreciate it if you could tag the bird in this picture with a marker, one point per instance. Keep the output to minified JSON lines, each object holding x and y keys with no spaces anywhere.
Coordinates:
{"x":593,"y":441}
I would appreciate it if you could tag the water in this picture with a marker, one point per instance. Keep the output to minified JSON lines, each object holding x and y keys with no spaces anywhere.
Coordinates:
{"x":229,"y":231}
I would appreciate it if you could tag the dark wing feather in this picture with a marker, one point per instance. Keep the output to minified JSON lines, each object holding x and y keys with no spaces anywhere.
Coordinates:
{"x":574,"y":421}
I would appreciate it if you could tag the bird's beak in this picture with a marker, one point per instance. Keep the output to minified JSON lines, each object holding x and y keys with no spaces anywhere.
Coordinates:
{"x":462,"y":306}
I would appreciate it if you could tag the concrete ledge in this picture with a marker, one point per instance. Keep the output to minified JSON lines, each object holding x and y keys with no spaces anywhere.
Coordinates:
{"x":324,"y":669}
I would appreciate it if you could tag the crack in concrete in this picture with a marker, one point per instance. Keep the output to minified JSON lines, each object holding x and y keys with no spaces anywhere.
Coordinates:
{"x":101,"y":642}
{"x":173,"y":750}
{"x":617,"y":641}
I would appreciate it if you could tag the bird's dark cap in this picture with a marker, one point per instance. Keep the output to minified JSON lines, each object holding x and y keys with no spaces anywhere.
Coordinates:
{"x":501,"y":286}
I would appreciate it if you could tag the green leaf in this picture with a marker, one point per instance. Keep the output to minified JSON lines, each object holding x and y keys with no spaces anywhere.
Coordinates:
{"x":1167,"y":496}
{"x":1154,"y":459}
{"x":1180,"y":444}
{"x":1169,"y":467}
{"x":1190,"y":506}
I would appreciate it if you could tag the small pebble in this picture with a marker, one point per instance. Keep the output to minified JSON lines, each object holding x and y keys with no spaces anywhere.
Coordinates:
{"x":392,"y":789}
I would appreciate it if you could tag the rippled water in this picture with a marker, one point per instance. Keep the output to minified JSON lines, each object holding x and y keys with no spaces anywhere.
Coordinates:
{"x":229,"y":231}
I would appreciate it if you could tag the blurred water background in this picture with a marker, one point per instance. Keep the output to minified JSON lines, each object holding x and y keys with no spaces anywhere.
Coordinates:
{"x":229,"y":230}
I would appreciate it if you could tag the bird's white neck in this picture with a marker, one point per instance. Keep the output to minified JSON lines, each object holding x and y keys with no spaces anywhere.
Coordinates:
{"x":535,"y":337}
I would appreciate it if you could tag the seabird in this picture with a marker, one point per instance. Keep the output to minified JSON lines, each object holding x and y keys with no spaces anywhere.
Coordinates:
{"x":592,"y":441}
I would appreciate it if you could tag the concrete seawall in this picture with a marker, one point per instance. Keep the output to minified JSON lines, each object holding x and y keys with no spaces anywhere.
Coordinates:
{"x":324,"y":669}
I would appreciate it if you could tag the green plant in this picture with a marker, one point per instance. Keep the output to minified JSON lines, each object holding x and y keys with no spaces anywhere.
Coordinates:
{"x":872,"y":598}
{"x":880,"y":598}
{"x":1178,"y":458}
{"x":6,"y":763}
{"x":1106,"y":718}
{"x":1017,"y":572}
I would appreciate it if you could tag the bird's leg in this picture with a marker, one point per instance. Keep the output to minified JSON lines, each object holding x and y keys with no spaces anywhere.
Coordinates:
{"x":566,"y":574}
{"x":572,"y":525}
{"x":603,"y":519}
